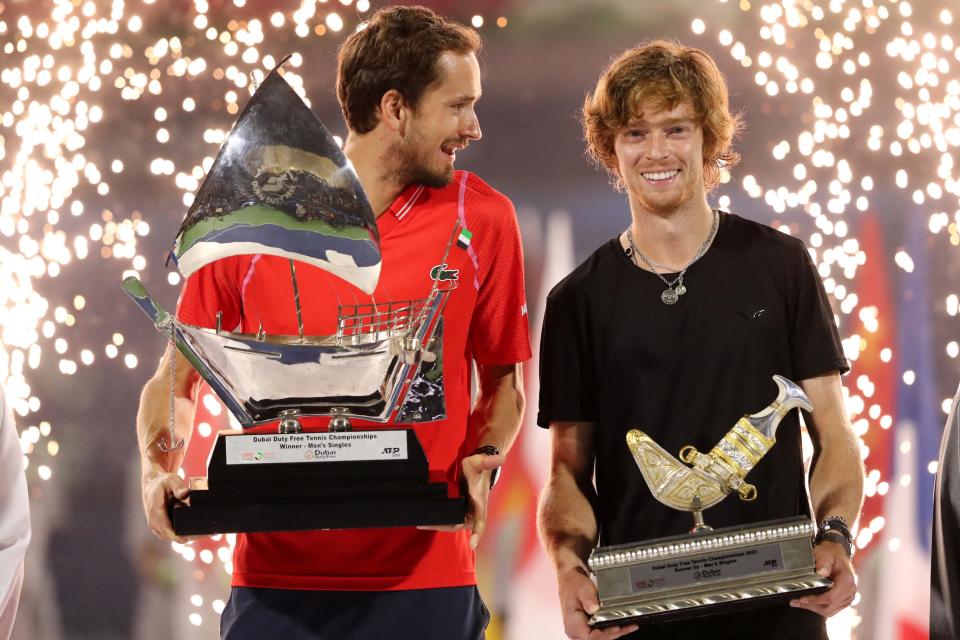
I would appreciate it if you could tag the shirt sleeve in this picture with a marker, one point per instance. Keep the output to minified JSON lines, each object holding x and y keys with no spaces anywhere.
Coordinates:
{"x":815,"y":346}
{"x":945,"y":572}
{"x":215,"y":287}
{"x":499,"y":331}
{"x":567,"y":389}
{"x":14,"y":518}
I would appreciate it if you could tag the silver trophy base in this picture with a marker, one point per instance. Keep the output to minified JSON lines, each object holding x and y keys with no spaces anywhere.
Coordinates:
{"x":702,"y":574}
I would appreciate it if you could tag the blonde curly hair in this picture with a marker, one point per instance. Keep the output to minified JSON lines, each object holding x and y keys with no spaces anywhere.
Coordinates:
{"x":663,"y":74}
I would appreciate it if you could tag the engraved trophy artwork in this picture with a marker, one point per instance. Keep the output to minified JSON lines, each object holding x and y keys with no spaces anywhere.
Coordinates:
{"x":708,"y":571}
{"x":281,"y":186}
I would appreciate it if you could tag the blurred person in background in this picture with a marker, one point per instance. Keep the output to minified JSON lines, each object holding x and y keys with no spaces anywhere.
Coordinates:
{"x":945,"y":563}
{"x":14,"y":518}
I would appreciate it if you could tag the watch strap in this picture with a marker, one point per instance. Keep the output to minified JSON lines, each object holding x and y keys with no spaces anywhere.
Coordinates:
{"x":836,"y":529}
{"x":489,"y":450}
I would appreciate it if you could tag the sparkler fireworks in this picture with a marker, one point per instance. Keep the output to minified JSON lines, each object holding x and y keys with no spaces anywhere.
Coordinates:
{"x":880,"y":104}
{"x":873,"y":85}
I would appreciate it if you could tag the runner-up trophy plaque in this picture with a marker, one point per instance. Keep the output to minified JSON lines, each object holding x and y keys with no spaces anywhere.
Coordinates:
{"x":708,"y":571}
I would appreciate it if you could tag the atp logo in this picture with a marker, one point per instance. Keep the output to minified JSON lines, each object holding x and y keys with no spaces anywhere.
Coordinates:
{"x":442,"y":274}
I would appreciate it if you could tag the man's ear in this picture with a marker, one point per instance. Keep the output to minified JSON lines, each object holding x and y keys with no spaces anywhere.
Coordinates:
{"x":394,"y":111}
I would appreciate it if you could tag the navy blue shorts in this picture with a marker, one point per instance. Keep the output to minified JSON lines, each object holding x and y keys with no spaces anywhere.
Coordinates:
{"x":450,"y":613}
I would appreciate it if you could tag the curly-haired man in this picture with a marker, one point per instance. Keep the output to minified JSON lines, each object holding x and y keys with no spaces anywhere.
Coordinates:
{"x":676,"y":327}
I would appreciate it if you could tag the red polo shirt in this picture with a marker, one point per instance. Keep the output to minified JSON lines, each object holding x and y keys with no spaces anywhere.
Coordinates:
{"x":484,"y":320}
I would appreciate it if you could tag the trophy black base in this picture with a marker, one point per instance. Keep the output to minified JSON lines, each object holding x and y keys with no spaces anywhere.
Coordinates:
{"x":304,"y":482}
{"x":705,"y":574}
{"x":256,"y":516}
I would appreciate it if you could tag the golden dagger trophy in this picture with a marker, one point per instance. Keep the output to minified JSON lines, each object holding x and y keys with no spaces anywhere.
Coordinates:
{"x":709,"y":571}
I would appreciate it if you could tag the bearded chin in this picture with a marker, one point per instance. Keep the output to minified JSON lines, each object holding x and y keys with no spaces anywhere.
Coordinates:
{"x":433,"y":178}
{"x":411,"y":168}
{"x":669,"y":206}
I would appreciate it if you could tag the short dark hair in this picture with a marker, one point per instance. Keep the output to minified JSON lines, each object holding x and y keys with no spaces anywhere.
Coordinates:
{"x":665,"y":74}
{"x":398,"y":48}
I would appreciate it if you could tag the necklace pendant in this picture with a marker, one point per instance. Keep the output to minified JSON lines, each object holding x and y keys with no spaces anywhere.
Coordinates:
{"x":669,"y":296}
{"x":681,"y":290}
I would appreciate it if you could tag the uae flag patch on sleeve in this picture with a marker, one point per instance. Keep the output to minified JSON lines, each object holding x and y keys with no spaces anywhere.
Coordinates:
{"x":463,"y":240}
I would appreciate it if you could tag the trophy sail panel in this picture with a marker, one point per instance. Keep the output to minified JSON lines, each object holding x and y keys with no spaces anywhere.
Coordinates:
{"x":281,"y":186}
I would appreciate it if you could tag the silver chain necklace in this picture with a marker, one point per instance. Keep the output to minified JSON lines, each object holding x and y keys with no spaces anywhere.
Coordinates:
{"x":675,"y":288}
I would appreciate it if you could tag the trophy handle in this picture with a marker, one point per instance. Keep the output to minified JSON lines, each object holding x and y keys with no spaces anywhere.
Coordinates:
{"x":742,"y":447}
{"x":167,"y":324}
{"x":790,"y":397}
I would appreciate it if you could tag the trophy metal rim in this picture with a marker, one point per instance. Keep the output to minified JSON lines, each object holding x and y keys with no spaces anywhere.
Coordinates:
{"x":621,"y":610}
{"x":686,"y":544}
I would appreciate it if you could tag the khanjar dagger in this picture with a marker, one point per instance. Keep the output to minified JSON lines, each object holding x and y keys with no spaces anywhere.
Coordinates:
{"x":712,"y":476}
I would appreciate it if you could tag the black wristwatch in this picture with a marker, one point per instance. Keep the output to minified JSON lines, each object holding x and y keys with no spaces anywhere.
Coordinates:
{"x":836,"y":529}
{"x":489,"y":450}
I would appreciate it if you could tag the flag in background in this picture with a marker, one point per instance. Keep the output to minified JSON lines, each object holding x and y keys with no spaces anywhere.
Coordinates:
{"x":874,"y":373}
{"x":895,"y":576}
{"x":873,"y":378}
{"x":522,"y":592}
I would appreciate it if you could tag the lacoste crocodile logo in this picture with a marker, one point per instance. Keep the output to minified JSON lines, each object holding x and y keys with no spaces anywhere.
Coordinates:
{"x":441,"y":273}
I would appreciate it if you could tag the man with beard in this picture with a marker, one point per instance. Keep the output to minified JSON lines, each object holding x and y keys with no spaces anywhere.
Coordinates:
{"x":676,"y":327}
{"x":407,"y":84}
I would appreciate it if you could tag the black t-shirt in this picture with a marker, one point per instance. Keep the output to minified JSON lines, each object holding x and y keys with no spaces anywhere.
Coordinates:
{"x":612,"y":353}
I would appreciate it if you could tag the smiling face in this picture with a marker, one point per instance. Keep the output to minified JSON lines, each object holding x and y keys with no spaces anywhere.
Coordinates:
{"x":660,"y":158}
{"x":442,"y":123}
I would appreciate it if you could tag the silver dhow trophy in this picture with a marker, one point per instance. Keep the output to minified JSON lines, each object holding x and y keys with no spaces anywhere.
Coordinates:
{"x":281,"y":186}
{"x":708,"y":571}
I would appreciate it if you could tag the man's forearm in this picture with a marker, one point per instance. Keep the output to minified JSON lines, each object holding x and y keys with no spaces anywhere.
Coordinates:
{"x":836,"y":482}
{"x":566,"y":521}
{"x":153,"y":416}
{"x":836,"y":477}
{"x":495,"y":419}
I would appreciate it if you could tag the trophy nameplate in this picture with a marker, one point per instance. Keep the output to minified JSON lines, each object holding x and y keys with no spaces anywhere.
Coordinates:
{"x":281,"y":186}
{"x":705,"y":574}
{"x":707,"y":571}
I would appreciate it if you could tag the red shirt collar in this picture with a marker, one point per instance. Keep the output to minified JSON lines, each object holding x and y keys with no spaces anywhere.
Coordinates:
{"x":403,"y":204}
